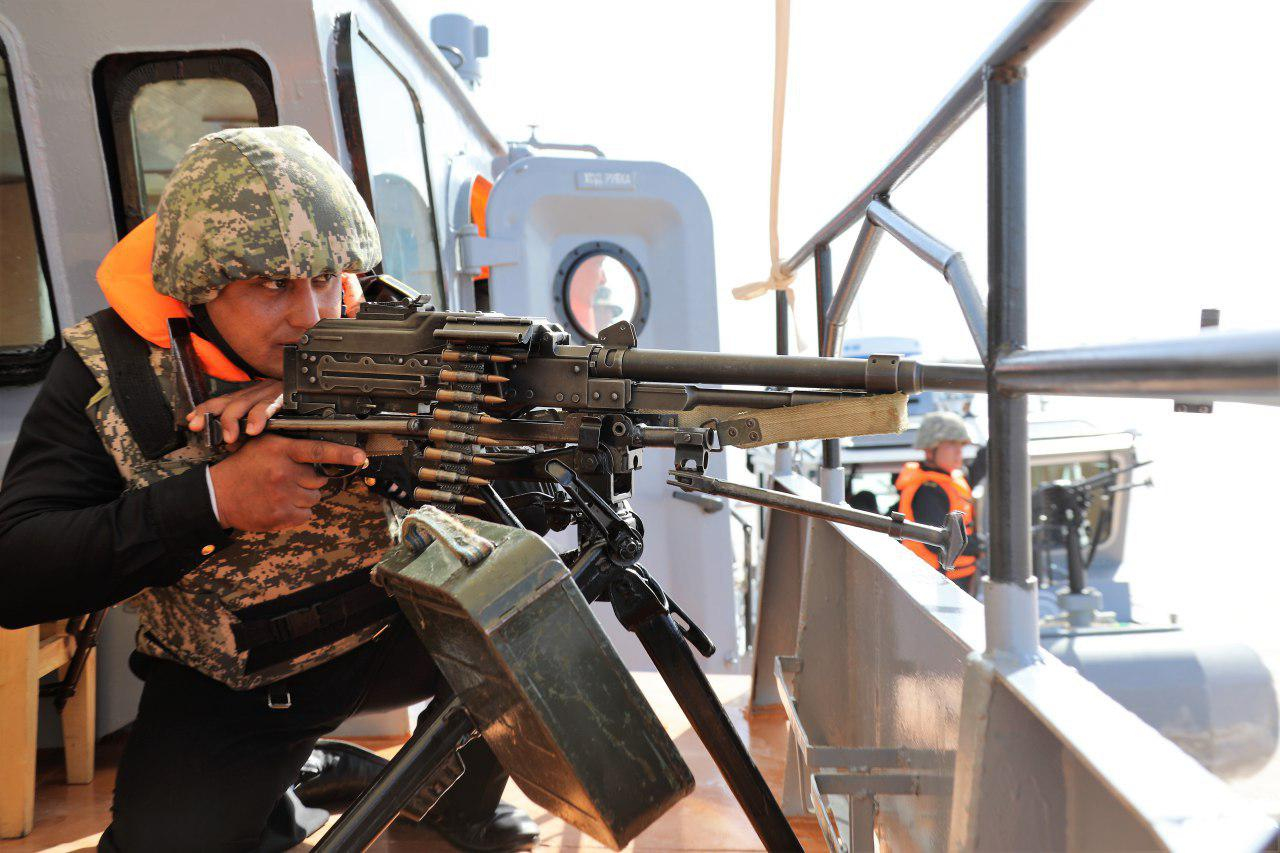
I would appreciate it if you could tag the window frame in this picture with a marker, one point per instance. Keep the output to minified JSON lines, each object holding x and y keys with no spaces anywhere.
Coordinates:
{"x":117,"y":79}
{"x":25,"y":365}
{"x":345,"y":29}
{"x":563,"y":279}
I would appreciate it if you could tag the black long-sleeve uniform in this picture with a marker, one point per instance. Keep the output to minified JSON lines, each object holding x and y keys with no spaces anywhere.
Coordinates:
{"x":72,"y":540}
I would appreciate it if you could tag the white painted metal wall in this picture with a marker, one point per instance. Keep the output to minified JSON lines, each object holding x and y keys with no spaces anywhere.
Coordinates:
{"x":881,"y":666}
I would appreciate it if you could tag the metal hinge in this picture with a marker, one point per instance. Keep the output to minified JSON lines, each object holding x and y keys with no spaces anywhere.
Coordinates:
{"x":476,"y":252}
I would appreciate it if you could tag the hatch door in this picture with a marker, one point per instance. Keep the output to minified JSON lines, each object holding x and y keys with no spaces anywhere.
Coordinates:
{"x":588,"y":242}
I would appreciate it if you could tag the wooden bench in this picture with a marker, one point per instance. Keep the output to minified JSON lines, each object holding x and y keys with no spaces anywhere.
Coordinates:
{"x":26,"y":655}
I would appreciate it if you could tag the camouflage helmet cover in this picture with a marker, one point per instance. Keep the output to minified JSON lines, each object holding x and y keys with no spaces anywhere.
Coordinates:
{"x":937,"y":427}
{"x":258,"y":201}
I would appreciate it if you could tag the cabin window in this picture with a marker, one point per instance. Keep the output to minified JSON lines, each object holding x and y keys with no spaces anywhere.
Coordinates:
{"x":157,"y":105}
{"x":168,"y":115}
{"x":383,"y":120}
{"x":28,"y":324}
{"x":599,"y":284}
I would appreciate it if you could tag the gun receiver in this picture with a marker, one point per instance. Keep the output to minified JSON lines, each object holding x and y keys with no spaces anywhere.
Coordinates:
{"x":395,"y":356}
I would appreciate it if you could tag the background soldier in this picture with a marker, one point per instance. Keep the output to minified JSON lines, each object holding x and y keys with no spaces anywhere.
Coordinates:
{"x":929,"y":490}
{"x":259,"y":629}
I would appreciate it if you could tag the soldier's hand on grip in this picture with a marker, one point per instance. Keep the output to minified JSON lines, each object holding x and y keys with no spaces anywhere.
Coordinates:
{"x":270,"y":483}
{"x":254,"y":404}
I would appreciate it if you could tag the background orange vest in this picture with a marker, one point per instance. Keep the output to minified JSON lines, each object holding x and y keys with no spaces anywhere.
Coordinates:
{"x":909,"y":481}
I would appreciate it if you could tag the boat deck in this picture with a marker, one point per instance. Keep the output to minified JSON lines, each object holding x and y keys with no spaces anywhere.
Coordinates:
{"x":71,"y":817}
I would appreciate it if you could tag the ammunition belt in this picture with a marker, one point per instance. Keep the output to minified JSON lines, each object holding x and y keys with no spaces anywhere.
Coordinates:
{"x":444,"y":482}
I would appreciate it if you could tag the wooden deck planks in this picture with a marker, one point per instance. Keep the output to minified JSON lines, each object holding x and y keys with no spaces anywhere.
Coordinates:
{"x":70,"y":818}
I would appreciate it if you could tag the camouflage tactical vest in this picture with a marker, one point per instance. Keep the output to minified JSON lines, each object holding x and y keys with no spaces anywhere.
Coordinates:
{"x":258,"y":577}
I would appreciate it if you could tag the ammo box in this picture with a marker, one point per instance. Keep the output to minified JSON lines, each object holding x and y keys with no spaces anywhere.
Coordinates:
{"x":517,"y":641}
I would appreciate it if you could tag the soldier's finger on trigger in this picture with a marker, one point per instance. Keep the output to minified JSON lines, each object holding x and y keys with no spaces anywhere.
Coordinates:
{"x":259,"y":414}
{"x":323,"y":453}
{"x":230,"y":426}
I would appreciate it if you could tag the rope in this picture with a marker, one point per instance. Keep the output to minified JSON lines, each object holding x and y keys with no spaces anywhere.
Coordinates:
{"x":778,"y":279}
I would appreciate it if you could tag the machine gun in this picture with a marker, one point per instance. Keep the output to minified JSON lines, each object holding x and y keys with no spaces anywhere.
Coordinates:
{"x":467,"y":399}
{"x":1060,"y":511}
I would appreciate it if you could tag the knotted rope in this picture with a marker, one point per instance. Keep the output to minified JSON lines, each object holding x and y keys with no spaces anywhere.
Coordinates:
{"x":779,"y":279}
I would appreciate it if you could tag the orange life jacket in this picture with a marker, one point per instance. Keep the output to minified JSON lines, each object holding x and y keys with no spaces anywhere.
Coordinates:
{"x":125,"y":278}
{"x":910,"y":479}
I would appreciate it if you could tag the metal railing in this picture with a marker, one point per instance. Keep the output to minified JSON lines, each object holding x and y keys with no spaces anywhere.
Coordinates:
{"x":1033,"y":27}
{"x":1242,"y":366}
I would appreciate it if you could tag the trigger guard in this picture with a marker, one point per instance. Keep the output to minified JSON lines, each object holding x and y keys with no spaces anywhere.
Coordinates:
{"x":325,"y":469}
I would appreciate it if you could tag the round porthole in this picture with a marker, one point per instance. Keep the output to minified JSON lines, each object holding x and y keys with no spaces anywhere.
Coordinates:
{"x":597,"y":285}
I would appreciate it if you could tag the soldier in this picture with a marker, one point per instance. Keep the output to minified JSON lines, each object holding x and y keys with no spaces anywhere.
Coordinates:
{"x":930,"y":489}
{"x":249,"y":570}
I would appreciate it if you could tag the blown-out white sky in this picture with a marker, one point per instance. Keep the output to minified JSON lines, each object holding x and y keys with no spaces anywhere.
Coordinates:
{"x":1152,"y":193}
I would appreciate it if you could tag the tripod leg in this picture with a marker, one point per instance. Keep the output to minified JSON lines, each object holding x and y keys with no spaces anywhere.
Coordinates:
{"x":427,"y":757}
{"x":679,"y":669}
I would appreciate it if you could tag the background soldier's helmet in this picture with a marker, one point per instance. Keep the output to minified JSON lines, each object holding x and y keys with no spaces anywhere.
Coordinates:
{"x":937,"y":427}
{"x":258,"y":201}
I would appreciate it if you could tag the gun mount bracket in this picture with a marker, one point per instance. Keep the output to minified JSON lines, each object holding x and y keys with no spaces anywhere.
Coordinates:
{"x":693,"y":449}
{"x":608,"y":393}
{"x":620,"y":334}
{"x":882,"y":373}
{"x":740,"y":431}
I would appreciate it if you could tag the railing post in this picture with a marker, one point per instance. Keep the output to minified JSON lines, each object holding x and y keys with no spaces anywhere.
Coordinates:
{"x":822,"y":291}
{"x":1011,"y":615}
{"x":780,"y":322}
{"x":783,"y":458}
{"x":830,"y":475}
{"x":864,"y":247}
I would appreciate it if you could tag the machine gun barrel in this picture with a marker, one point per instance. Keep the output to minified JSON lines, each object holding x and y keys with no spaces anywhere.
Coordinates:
{"x":1106,"y":477}
{"x":659,"y":396}
{"x":877,"y":373}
